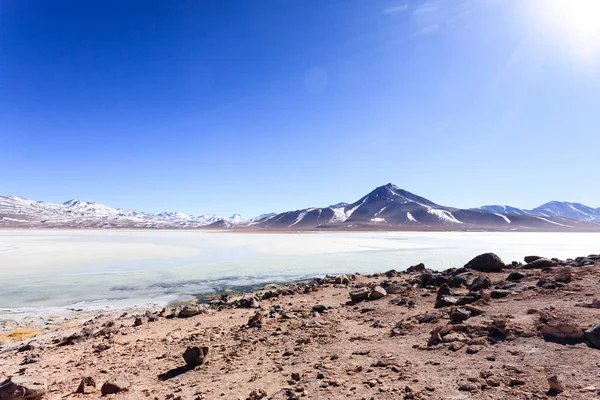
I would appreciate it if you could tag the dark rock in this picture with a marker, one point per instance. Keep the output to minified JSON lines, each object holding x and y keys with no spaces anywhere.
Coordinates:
{"x":555,"y":385}
{"x":444,"y":290}
{"x":487,"y":262}
{"x":540,"y":263}
{"x":461,"y":279}
{"x":86,"y":386}
{"x":399,"y":329}
{"x":416,"y":268}
{"x":472,"y":297}
{"x":530,"y":259}
{"x":445,"y":301}
{"x":195,"y":355}
{"x":33,"y":345}
{"x":30,"y":359}
{"x":459,"y":315}
{"x":140,"y":320}
{"x":592,"y":335}
{"x":248,"y":302}
{"x":85,"y":334}
{"x":359,"y":294}
{"x":255,"y":321}
{"x":515,"y":276}
{"x":500,"y":293}
{"x":481,"y":282}
{"x":191,"y":311}
{"x":427,"y":318}
{"x":115,"y":384}
{"x":23,"y":388}
{"x":319,"y":308}
{"x":378,"y":293}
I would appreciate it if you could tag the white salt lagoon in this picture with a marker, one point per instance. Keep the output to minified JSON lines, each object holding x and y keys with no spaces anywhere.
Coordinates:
{"x":48,"y":269}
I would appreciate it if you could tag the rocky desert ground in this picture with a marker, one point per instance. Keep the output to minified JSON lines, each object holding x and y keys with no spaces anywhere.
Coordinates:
{"x":490,"y":330}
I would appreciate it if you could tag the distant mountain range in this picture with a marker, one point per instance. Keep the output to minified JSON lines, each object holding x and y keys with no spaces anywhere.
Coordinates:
{"x":386,"y":207}
{"x":563,"y":209}
{"x":22,"y":212}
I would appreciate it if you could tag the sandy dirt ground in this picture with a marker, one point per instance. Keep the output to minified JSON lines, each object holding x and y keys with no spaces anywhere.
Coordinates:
{"x":488,"y":338}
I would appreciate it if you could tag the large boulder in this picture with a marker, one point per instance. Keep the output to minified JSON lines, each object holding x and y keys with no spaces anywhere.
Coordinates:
{"x":487,"y":262}
{"x":23,"y":388}
{"x":592,"y":335}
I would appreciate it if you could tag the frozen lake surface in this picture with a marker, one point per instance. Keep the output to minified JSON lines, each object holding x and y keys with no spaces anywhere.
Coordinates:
{"x":82,"y":268}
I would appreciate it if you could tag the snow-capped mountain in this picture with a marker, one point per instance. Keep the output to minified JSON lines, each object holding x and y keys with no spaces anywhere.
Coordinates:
{"x":562,"y":209}
{"x":19,"y":211}
{"x":505,"y":210}
{"x":389,"y":206}
{"x":386,"y":207}
{"x":568,"y":210}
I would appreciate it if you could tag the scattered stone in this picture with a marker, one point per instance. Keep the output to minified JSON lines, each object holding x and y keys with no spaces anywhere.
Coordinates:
{"x":473,"y":349}
{"x":416,"y":268}
{"x":481,"y":282}
{"x":555,"y":385}
{"x":487,"y":262}
{"x":86,"y":386}
{"x":530,"y":259}
{"x":500,"y":293}
{"x":319,"y":308}
{"x":592,"y":335}
{"x":359,"y":294}
{"x":33,"y":345}
{"x":563,"y":275}
{"x":30,"y":359}
{"x":115,"y":384}
{"x":191,"y":311}
{"x":195,"y":356}
{"x":257,"y":394}
{"x":399,"y":329}
{"x":255,"y":321}
{"x":515,"y":276}
{"x":445,"y":301}
{"x":378,"y":293}
{"x":468,"y":386}
{"x":459,"y":315}
{"x":85,"y":334}
{"x":141,"y":320}
{"x":428,"y":318}
{"x":540,"y":263}
{"x":23,"y":388}
{"x":516,"y":382}
{"x":562,"y":330}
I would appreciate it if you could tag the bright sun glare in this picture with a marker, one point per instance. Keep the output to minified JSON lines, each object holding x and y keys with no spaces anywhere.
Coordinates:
{"x":576,"y":22}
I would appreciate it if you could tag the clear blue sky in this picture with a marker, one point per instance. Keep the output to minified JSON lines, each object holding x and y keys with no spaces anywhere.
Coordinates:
{"x":213,"y":106}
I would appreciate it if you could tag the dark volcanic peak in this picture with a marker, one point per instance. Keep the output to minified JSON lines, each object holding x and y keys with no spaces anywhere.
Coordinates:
{"x":393,"y":193}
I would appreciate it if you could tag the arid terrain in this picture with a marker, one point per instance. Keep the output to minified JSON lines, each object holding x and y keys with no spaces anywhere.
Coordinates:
{"x":488,"y":331}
